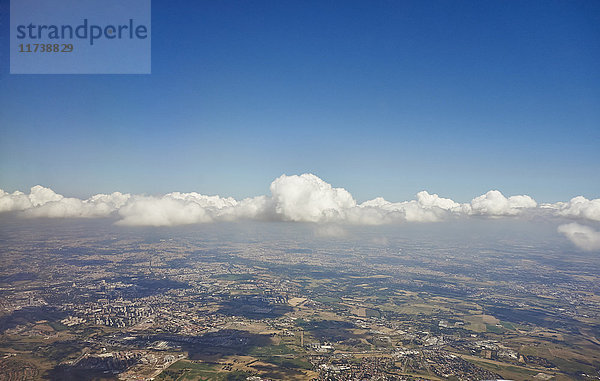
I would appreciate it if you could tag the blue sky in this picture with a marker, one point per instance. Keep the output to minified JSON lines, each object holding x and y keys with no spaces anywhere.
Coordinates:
{"x":383,"y":98}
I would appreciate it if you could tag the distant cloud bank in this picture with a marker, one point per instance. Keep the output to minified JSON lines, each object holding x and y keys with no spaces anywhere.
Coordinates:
{"x":302,"y":198}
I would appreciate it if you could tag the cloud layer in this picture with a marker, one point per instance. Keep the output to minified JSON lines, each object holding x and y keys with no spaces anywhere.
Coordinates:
{"x":302,"y":198}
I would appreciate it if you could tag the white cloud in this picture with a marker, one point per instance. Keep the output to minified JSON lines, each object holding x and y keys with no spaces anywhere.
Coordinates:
{"x":190,"y":208}
{"x":163,"y":211}
{"x":426,"y":208}
{"x":44,"y":202}
{"x":584,"y":237}
{"x":308,"y":198}
{"x":494,"y":203}
{"x":261,"y":208}
{"x":14,"y":201}
{"x":209,"y":202}
{"x":40,"y":195}
{"x":302,"y":198}
{"x":57,"y":206}
{"x":579,"y":207}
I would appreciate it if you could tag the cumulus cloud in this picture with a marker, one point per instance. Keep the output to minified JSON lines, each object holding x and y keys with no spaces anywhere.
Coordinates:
{"x":584,"y":237}
{"x":189,"y":208}
{"x":494,"y":203}
{"x":38,"y":195}
{"x":14,"y":201}
{"x":308,"y":198}
{"x":164,"y":211}
{"x":44,"y":202}
{"x":301,"y":198}
{"x":260,"y":208}
{"x":426,"y":208}
{"x":578,"y":208}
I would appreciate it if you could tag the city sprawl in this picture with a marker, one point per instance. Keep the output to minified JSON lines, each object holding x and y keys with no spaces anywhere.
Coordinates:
{"x":236,"y":301}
